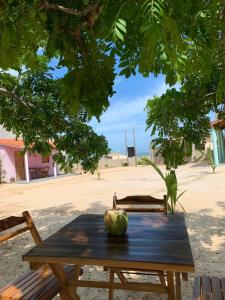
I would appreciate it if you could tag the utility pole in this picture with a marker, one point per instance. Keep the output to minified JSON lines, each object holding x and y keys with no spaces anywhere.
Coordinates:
{"x":126,"y":145}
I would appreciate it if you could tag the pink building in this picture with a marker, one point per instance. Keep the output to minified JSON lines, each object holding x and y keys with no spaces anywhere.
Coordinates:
{"x":24,"y":166}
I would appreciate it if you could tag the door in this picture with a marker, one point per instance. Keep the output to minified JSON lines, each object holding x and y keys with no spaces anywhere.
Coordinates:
{"x":19,"y":165}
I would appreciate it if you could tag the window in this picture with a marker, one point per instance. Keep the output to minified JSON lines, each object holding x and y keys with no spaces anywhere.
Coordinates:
{"x":45,"y":159}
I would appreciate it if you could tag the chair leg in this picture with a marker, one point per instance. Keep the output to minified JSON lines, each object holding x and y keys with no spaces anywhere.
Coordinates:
{"x":178,"y":286}
{"x":111,"y":280}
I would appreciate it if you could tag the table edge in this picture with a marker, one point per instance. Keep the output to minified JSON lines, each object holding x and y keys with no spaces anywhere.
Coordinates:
{"x":110,"y":263}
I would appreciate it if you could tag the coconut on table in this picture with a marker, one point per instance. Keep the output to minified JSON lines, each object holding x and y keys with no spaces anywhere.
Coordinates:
{"x":116,"y":221}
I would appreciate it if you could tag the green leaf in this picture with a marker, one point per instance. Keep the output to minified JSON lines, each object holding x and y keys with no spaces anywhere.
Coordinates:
{"x":43,"y":16}
{"x":119,"y":34}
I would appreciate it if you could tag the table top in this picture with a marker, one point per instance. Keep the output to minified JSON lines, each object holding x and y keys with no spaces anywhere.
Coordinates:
{"x":152,"y":241}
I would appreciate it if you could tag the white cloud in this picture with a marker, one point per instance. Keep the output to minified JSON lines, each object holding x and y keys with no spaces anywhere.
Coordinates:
{"x":125,"y":113}
{"x":118,"y":80}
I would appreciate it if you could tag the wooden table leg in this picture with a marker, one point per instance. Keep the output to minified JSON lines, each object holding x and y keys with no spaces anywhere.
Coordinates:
{"x":111,"y":280}
{"x":68,"y":292}
{"x":178,"y":286}
{"x":170,"y":282}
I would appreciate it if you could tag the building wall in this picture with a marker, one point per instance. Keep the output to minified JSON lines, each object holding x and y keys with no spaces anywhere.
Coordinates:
{"x":35,"y":161}
{"x":8,"y":161}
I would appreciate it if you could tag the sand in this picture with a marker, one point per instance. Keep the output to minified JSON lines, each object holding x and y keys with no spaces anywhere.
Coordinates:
{"x":54,"y":202}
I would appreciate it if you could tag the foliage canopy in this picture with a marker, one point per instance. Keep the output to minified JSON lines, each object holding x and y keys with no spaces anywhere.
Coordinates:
{"x":181,"y":39}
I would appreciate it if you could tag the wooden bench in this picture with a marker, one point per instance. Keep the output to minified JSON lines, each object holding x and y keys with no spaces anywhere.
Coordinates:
{"x":40,"y":284}
{"x":208,"y":288}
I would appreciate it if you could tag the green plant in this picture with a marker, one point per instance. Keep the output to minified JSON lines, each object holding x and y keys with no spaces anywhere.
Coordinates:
{"x":141,"y":162}
{"x":170,"y":181}
{"x":124,"y":164}
{"x":210,"y":159}
{"x":98,"y":173}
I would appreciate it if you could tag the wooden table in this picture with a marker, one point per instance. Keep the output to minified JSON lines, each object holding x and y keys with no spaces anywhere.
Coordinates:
{"x":152,"y":242}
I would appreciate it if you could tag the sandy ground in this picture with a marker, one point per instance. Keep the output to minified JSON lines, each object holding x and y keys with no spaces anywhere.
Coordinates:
{"x":53,"y":203}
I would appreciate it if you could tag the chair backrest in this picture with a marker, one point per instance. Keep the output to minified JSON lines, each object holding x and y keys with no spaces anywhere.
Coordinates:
{"x":134,"y":203}
{"x":10,"y":222}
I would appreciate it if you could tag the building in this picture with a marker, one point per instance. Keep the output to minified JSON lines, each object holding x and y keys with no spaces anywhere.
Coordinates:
{"x":217,"y":138}
{"x":19,"y":165}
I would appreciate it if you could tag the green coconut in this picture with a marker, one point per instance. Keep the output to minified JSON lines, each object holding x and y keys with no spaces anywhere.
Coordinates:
{"x":116,"y":221}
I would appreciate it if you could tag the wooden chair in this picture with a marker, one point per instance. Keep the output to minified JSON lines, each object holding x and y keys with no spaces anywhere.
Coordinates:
{"x":208,"y":288}
{"x":39,"y":284}
{"x":137,"y":204}
{"x":141,"y":203}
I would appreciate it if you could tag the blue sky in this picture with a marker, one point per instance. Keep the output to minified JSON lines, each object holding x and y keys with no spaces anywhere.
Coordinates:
{"x":127,"y":111}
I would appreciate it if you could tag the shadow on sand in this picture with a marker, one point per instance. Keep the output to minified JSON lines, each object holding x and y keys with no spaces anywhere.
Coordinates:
{"x":206,"y":233}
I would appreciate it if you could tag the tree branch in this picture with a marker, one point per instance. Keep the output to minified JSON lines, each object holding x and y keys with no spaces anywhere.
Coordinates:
{"x":7,"y":93}
{"x":67,"y":10}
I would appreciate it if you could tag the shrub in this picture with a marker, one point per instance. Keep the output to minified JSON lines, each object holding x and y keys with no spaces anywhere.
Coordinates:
{"x":210,"y":159}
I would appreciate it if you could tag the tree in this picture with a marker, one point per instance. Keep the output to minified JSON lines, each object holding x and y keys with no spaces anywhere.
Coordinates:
{"x":35,"y":112}
{"x":181,"y":118}
{"x":176,"y":38}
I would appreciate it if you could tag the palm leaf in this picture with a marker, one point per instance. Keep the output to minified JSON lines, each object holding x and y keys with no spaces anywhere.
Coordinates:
{"x":149,"y":162}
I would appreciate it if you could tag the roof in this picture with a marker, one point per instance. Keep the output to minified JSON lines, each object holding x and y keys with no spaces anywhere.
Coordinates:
{"x":12,"y":143}
{"x":16,"y":143}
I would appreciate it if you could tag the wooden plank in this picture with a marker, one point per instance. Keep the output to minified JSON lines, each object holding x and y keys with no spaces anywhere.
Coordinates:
{"x":145,"y":287}
{"x":159,"y":240}
{"x":222,"y":281}
{"x":33,"y":230}
{"x":142,"y":210}
{"x":216,"y":288}
{"x":110,"y":263}
{"x":206,"y":288}
{"x":10,"y":222}
{"x":131,"y":255}
{"x":197,"y":287}
{"x":13,"y":234}
{"x":122,"y":248}
{"x":67,"y":292}
{"x":139,"y":199}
